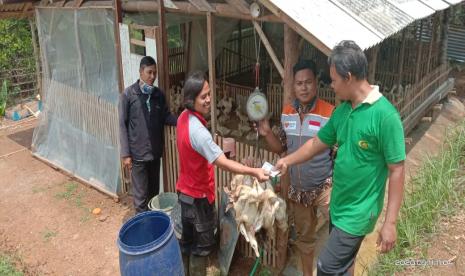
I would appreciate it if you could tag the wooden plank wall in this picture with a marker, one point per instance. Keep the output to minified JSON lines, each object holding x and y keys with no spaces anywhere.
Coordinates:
{"x":222,"y":178}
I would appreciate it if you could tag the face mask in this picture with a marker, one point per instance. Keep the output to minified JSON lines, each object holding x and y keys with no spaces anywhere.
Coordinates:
{"x":147,"y":89}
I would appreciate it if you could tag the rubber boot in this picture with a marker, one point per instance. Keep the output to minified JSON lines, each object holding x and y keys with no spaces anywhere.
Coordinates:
{"x":197,"y":266}
{"x":185,"y":264}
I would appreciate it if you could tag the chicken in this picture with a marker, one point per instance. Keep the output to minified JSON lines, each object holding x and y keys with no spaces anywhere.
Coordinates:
{"x":256,"y":207}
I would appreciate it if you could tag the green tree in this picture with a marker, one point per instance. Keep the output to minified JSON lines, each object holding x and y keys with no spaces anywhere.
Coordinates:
{"x":15,"y":44}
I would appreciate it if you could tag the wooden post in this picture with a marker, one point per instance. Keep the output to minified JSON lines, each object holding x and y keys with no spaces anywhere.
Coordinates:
{"x":419,"y":54}
{"x":444,"y":37}
{"x":401,"y":60}
{"x":270,"y":50}
{"x":36,"y":57}
{"x":187,"y":46}
{"x":372,"y":63}
{"x":431,"y":43}
{"x":164,"y":76}
{"x":239,"y":45}
{"x":291,"y":55}
{"x":119,"y":60}
{"x":211,"y":69}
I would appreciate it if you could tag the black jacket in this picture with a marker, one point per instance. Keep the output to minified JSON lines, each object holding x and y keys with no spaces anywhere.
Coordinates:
{"x":141,"y":131}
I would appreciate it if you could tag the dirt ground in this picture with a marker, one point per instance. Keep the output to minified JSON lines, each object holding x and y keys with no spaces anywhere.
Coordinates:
{"x":46,"y":217}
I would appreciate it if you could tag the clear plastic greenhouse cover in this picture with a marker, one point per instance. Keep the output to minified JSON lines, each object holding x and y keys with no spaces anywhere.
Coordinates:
{"x":78,"y":128}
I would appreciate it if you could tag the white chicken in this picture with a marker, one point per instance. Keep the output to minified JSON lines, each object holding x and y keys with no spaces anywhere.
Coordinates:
{"x":255,"y":207}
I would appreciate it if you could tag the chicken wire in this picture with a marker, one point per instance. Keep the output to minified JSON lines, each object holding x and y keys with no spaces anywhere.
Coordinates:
{"x":78,"y":128}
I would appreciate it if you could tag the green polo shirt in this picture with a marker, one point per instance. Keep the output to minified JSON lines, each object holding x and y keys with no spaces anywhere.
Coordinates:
{"x":369,"y":137}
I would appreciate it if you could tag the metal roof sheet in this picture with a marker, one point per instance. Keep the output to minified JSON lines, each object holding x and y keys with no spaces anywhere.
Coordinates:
{"x":327,"y":22}
{"x":436,"y":4}
{"x":414,"y":8}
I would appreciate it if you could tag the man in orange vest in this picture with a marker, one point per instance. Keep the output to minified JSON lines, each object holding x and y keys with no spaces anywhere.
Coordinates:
{"x":311,"y":181}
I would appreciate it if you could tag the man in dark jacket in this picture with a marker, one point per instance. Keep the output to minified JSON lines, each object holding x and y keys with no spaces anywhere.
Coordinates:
{"x":143,"y":112}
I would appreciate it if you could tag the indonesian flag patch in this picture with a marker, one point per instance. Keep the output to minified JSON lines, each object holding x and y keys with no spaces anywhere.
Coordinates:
{"x":314,"y":125}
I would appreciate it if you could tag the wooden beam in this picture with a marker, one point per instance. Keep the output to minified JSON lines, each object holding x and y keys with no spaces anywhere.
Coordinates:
{"x":7,"y":15}
{"x":211,"y":69}
{"x":27,"y":7}
{"x":79,"y":3}
{"x":401,"y":59}
{"x":187,"y":45}
{"x":291,"y":55}
{"x":105,"y":4}
{"x":137,"y":42}
{"x":297,"y":27}
{"x":202,"y":5}
{"x":270,"y":50}
{"x":240,"y":5}
{"x":165,"y":76}
{"x":372,"y":63}
{"x":432,"y":41}
{"x":221,"y":10}
{"x":36,"y":56}
{"x":419,"y":53}
{"x":116,"y":32}
{"x":444,"y":37}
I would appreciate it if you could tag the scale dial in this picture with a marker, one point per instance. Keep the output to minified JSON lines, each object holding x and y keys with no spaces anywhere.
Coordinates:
{"x":257,"y":106}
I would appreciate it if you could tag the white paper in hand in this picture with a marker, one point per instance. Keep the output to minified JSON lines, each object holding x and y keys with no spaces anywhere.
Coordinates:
{"x":269,"y":168}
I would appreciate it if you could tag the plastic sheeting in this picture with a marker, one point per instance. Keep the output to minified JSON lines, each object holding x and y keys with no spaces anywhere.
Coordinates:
{"x":78,"y":128}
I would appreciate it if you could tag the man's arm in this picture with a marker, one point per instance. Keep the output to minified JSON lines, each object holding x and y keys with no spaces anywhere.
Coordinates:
{"x":170,"y":119}
{"x":306,"y":152}
{"x":123,"y":107}
{"x":236,"y":167}
{"x":388,"y":235}
{"x":274,"y":143}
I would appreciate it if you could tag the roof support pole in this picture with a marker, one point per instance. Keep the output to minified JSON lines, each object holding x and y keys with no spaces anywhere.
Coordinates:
{"x":291,"y":55}
{"x":211,"y":69}
{"x":444,"y":37}
{"x":431,"y":43}
{"x":401,"y":60}
{"x":419,"y":53}
{"x":270,"y":50}
{"x":373,"y":59}
{"x":118,"y":19}
{"x":164,"y":76}
{"x":36,"y":56}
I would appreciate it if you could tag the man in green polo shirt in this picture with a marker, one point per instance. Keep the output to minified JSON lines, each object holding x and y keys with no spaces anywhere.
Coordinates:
{"x":371,"y":148}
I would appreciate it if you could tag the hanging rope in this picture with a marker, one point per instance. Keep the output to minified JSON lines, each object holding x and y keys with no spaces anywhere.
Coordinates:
{"x":257,"y":42}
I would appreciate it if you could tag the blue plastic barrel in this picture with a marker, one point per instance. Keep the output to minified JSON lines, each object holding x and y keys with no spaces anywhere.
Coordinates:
{"x":148,"y":246}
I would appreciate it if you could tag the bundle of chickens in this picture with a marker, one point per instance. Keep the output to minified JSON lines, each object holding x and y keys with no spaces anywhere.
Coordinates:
{"x":257,"y":207}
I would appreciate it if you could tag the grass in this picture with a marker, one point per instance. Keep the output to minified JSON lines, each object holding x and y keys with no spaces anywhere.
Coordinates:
{"x":7,"y":266}
{"x":48,"y":234}
{"x":70,"y":189}
{"x":71,"y":195}
{"x":436,"y":191}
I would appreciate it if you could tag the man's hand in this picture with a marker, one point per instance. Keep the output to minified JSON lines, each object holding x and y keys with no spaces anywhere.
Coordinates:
{"x":263,"y":127}
{"x":261,"y":174}
{"x":127,"y":162}
{"x":281,"y":166}
{"x":387,"y":237}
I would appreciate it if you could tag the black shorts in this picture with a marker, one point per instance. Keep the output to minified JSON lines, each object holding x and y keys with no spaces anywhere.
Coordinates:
{"x":339,"y":252}
{"x":198,"y":226}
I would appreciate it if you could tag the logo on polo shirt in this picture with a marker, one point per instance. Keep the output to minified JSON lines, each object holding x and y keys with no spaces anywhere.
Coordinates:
{"x":363,"y":144}
{"x":290,"y":125}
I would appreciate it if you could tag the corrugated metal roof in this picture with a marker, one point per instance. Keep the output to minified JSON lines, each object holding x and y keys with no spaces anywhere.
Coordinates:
{"x":414,"y":8}
{"x":456,"y":43}
{"x":453,"y":2}
{"x":327,"y":22}
{"x":436,"y":4}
